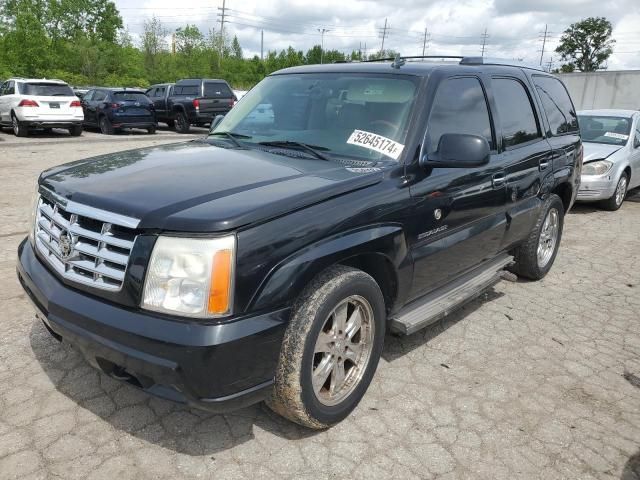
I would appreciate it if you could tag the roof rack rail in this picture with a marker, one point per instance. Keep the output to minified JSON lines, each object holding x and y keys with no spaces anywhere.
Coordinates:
{"x":499,"y":61}
{"x":413,"y":57}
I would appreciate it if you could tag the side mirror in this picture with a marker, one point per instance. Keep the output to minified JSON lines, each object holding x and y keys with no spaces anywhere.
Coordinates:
{"x":458,"y":150}
{"x":215,"y":122}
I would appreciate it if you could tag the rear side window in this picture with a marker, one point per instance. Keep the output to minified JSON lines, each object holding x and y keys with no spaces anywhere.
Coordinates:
{"x":47,"y":89}
{"x":217,"y":90}
{"x":517,"y":118}
{"x":99,"y":96}
{"x":557,"y":105}
{"x":192,"y":90}
{"x":130,"y":97}
{"x":459,"y":107}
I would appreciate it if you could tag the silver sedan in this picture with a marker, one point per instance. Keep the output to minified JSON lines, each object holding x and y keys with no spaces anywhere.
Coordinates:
{"x":611,"y":165}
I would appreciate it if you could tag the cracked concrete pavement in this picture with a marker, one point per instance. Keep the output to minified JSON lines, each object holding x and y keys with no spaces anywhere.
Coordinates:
{"x":533,"y":380}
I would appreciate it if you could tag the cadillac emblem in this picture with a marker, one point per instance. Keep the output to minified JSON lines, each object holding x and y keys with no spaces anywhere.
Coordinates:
{"x":66,"y":246}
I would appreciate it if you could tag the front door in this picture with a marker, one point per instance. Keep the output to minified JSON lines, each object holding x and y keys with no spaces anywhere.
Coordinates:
{"x":459,"y":213}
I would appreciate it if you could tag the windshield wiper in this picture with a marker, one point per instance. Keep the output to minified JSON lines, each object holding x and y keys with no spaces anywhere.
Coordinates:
{"x":312,"y":149}
{"x":233,"y":137}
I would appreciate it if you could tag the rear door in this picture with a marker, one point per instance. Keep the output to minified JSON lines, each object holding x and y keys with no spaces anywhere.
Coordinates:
{"x":4,"y":118}
{"x":91,"y":105}
{"x":158,"y":96}
{"x":459,"y":215}
{"x":526,"y":156}
{"x":132,"y":107}
{"x":7,"y":100}
{"x":217,"y":99}
{"x":562,"y":125}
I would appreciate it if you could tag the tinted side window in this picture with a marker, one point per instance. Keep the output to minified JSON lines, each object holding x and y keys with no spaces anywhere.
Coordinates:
{"x":11,"y":89}
{"x":151,"y":92}
{"x":557,"y":105}
{"x":217,"y":90}
{"x":187,"y":90}
{"x":88,"y":96}
{"x":459,"y":107}
{"x":3,"y":87}
{"x":517,"y":118}
{"x":99,"y":96}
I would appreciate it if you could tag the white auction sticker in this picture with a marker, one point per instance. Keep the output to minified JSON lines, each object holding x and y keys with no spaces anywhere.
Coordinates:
{"x":619,"y":136}
{"x":377,"y":143}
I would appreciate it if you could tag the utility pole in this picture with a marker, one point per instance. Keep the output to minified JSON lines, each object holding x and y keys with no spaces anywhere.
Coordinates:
{"x":261,"y":44}
{"x":384,"y":35}
{"x":424,"y":42}
{"x":544,"y":41}
{"x":550,"y":64}
{"x":322,"y":32}
{"x":484,"y":41}
{"x":224,"y":11}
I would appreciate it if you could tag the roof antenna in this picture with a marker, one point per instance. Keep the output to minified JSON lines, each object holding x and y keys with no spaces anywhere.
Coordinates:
{"x":398,"y":61}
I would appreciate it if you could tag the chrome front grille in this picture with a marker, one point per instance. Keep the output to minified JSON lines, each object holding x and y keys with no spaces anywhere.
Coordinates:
{"x":83,"y":244}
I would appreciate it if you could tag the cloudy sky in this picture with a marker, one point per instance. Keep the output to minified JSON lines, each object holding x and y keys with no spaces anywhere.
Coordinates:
{"x":514,"y":27}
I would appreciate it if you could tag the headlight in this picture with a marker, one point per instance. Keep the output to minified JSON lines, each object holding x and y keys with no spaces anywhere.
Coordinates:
{"x":191,"y":276}
{"x":599,"y":167}
{"x":35,"y":199}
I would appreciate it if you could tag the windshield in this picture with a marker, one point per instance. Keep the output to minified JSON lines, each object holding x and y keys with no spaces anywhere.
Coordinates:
{"x":47,"y":90}
{"x":609,"y":130}
{"x":131,"y":97}
{"x":354,"y":115}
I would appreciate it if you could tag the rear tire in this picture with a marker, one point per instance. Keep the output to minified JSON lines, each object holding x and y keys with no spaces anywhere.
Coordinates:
{"x":105,"y":126}
{"x":75,"y":131}
{"x":535,"y":257}
{"x":330,"y":349}
{"x":20,"y":129}
{"x":182,"y":123}
{"x":615,"y":202}
{"x":171,"y":123}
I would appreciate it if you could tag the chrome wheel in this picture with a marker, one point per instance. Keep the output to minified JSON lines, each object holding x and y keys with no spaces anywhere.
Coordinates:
{"x":621,"y":190}
{"x":342,"y":351}
{"x":548,"y":237}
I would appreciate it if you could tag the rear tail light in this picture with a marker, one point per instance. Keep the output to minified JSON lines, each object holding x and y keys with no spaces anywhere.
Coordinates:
{"x":116,"y":105}
{"x":28,"y":103}
{"x":75,"y":103}
{"x":196,"y":104}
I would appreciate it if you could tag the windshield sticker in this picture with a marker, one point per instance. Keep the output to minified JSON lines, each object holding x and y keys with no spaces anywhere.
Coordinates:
{"x":619,"y":136}
{"x":377,"y":143}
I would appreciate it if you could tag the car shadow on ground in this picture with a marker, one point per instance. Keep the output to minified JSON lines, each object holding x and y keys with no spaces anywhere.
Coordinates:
{"x":396,"y":346}
{"x":631,"y":470}
{"x":178,"y":427}
{"x":41,"y":133}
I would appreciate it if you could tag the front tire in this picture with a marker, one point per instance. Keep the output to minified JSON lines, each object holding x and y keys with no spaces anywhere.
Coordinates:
{"x":151,"y":130}
{"x":171,"y":124}
{"x":20,"y":129}
{"x":182,"y":123}
{"x":615,"y":202}
{"x":331,"y":348}
{"x":535,"y":257}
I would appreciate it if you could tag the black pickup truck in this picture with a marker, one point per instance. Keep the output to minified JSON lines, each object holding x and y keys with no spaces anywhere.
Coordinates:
{"x":191,"y":102}
{"x":333,"y":203}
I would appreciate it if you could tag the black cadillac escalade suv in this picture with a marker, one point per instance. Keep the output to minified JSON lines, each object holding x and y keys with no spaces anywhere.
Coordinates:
{"x":334,"y":202}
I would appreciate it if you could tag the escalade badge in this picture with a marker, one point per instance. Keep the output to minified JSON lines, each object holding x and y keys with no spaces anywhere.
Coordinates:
{"x":66,"y":246}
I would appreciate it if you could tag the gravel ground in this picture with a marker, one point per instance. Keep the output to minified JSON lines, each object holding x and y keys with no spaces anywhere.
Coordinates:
{"x":534,"y":380}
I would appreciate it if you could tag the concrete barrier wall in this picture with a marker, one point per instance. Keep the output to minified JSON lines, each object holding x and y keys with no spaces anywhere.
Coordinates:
{"x":613,"y":89}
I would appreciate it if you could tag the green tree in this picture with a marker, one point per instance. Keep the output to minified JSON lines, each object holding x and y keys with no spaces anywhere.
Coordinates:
{"x":153,"y":45}
{"x":587,"y":44}
{"x":189,"y":39}
{"x":236,"y":49}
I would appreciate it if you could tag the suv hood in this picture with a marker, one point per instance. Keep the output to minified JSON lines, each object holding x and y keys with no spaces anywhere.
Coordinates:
{"x":198,"y":187}
{"x":598,"y":151}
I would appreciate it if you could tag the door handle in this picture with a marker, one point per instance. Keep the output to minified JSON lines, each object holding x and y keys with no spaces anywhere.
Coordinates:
{"x":544,"y":163}
{"x":498,"y":180}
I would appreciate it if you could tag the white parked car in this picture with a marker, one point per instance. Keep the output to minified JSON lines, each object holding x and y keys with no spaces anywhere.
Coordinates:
{"x":611,"y":165}
{"x":31,"y":103}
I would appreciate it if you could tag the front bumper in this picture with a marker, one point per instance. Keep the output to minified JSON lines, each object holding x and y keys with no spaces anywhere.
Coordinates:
{"x":216,"y":367}
{"x":596,"y":187}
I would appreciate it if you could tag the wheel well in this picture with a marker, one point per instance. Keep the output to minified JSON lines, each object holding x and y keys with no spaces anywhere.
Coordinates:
{"x":628,"y":172}
{"x":382,"y":271}
{"x":564,"y":191}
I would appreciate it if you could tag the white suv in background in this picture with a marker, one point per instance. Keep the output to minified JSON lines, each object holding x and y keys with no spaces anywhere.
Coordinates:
{"x":32,"y":103}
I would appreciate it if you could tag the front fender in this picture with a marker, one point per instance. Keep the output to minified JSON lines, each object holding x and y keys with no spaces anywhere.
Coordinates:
{"x":286,"y":280}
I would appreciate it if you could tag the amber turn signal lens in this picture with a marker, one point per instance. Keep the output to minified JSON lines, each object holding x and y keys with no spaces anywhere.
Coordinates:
{"x":219,"y":293}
